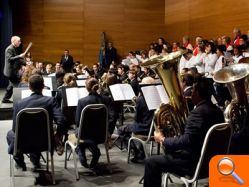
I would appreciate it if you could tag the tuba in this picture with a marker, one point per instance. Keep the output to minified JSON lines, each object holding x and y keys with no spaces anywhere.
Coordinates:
{"x":235,"y":76}
{"x":169,"y":118}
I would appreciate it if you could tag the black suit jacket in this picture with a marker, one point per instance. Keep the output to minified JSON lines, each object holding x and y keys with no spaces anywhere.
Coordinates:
{"x":48,"y":103}
{"x":13,"y":62}
{"x":197,"y":124}
{"x":143,"y":117}
{"x":110,"y":55}
{"x":187,"y":93}
{"x":92,"y":98}
{"x":135,"y":86}
{"x":68,"y":64}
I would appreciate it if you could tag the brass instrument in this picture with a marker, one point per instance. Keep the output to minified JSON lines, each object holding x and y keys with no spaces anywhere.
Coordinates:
{"x":235,"y":77}
{"x":170,"y":117}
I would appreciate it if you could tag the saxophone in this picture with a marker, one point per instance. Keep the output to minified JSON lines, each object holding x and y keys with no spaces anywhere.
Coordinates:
{"x":235,"y":76}
{"x":169,"y":118}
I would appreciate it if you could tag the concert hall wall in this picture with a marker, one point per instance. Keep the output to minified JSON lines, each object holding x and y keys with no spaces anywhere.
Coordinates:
{"x":210,"y":19}
{"x":55,"y":25}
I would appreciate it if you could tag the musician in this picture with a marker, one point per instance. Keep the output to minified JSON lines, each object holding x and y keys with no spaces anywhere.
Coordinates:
{"x":134,"y":82}
{"x":182,"y":152}
{"x":67,"y":63}
{"x":121,"y":73}
{"x":92,"y":86}
{"x":36,"y":99}
{"x":141,"y":124}
{"x":13,"y":63}
{"x":187,"y":86}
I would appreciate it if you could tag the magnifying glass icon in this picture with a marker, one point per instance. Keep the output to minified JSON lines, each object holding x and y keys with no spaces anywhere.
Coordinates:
{"x":226,"y":167}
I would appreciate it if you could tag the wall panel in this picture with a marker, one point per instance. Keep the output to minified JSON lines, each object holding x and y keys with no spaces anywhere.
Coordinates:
{"x":210,"y":19}
{"x":53,"y":25}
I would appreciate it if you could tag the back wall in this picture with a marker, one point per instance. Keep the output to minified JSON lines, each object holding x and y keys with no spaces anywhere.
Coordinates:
{"x":55,"y":25}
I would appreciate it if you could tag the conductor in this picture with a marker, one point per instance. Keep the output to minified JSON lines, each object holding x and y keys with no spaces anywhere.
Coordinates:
{"x":13,"y":63}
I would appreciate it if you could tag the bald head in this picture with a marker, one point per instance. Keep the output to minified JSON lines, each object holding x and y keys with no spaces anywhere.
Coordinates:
{"x":16,"y":41}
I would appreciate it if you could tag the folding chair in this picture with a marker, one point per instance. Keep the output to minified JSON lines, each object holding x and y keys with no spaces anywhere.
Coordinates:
{"x":143,"y":139}
{"x":32,"y":135}
{"x":216,"y":142}
{"x":94,"y":126}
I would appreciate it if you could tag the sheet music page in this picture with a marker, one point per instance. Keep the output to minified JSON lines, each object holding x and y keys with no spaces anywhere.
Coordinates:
{"x":82,"y":76}
{"x":72,"y":95}
{"x":47,"y":92}
{"x":25,"y":93}
{"x":163,"y":94}
{"x":127,"y":91}
{"x":116,"y":92}
{"x":151,"y":96}
{"x":81,"y":82}
{"x":82,"y":92}
{"x":48,"y":82}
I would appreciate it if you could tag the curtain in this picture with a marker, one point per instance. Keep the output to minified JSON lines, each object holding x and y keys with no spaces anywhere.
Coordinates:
{"x":5,"y":34}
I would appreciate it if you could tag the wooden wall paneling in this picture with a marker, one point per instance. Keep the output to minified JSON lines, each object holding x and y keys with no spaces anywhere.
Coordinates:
{"x":102,"y":16}
{"x":143,"y":23}
{"x":210,"y":19}
{"x":63,"y":29}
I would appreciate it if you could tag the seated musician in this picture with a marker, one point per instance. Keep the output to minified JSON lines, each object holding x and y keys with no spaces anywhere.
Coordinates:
{"x":133,"y":81}
{"x":141,"y":124}
{"x":187,"y":86}
{"x":92,"y":86}
{"x":36,"y":85}
{"x":122,"y":73}
{"x":69,"y":80}
{"x":182,"y":152}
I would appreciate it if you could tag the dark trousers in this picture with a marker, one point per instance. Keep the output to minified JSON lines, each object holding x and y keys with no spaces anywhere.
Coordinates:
{"x":156,"y":165}
{"x":13,"y":82}
{"x":93,"y":148}
{"x":126,"y":131}
{"x":19,"y":158}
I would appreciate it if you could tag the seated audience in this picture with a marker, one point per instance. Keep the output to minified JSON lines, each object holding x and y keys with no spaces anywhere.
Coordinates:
{"x":182,"y":152}
{"x":186,"y":43}
{"x":238,"y":54}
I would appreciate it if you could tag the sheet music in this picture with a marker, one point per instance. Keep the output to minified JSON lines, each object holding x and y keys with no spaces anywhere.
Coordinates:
{"x":127,"y":91}
{"x":74,"y":94}
{"x":122,"y":92}
{"x":162,"y":93}
{"x":81,"y":82}
{"x":152,"y":97}
{"x":82,"y":92}
{"x":48,"y":82}
{"x":116,"y":92}
{"x":27,"y":93}
{"x":82,"y":76}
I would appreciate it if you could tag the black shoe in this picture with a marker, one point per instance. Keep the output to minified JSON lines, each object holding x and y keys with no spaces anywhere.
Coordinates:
{"x":7,"y":101}
{"x":138,"y":158}
{"x":21,"y":166}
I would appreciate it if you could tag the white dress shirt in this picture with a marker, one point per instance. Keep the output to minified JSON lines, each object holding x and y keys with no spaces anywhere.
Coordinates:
{"x":209,"y":61}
